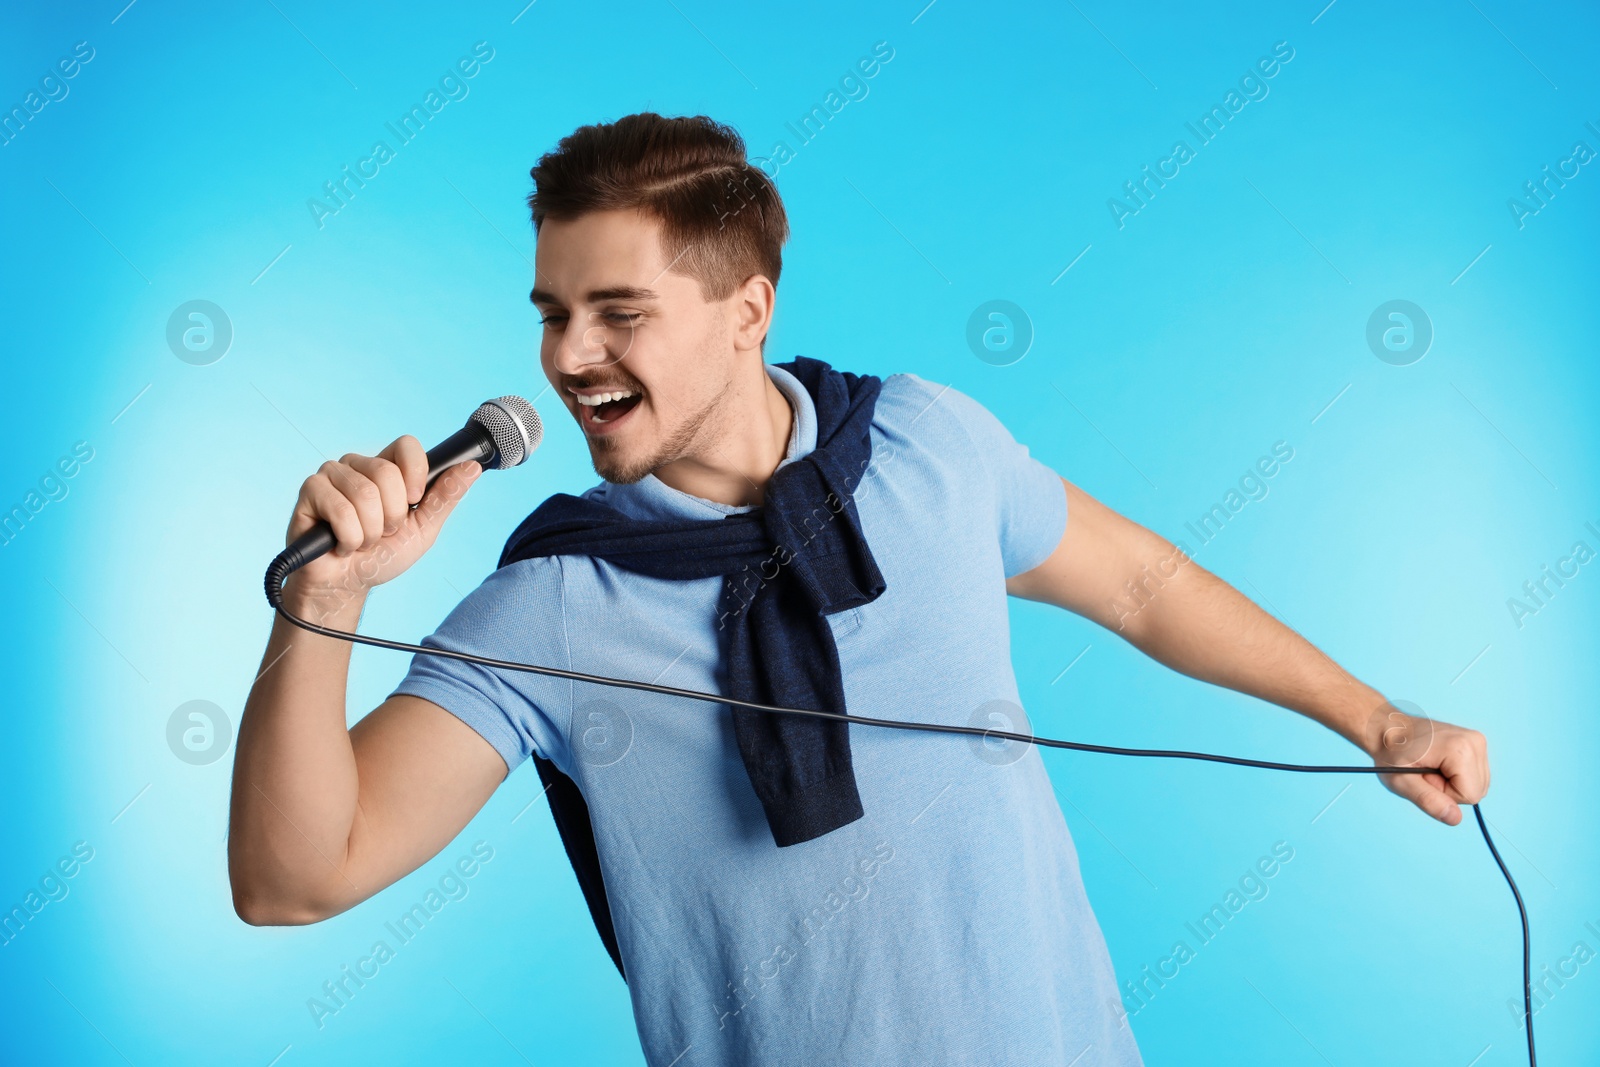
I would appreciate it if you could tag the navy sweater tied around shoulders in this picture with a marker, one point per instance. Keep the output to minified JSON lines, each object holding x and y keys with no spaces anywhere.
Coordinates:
{"x":785,"y":565}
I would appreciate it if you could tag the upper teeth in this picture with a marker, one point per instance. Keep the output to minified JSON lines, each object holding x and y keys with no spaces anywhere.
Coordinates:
{"x":600,"y":398}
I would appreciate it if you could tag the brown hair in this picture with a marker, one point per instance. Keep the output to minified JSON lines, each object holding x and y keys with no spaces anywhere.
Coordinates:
{"x":722,"y":219}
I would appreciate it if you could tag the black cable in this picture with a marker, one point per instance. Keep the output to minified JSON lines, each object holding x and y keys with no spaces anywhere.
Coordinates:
{"x":282,"y":567}
{"x":1527,"y":962}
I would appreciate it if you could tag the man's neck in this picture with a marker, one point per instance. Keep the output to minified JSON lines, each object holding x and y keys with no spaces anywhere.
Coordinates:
{"x":734,"y":469}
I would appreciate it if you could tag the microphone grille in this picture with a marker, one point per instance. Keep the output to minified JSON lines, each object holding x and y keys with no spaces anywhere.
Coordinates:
{"x":513,"y":425}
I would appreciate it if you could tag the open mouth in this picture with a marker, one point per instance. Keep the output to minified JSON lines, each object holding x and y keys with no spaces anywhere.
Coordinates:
{"x":601,"y":412}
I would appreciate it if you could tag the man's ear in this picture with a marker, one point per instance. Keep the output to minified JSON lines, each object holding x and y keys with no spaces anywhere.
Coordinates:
{"x":753,"y":305}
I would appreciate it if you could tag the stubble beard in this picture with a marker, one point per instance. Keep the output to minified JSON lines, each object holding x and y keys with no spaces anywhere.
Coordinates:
{"x":620,"y":470}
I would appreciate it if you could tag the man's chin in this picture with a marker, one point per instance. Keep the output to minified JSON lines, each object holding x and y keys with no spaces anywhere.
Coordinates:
{"x":617,"y":469}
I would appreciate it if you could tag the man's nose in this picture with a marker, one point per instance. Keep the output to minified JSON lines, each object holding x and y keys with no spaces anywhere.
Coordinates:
{"x":590,"y":341}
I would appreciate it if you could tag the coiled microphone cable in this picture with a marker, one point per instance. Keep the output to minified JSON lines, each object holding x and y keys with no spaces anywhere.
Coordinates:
{"x":288,"y":561}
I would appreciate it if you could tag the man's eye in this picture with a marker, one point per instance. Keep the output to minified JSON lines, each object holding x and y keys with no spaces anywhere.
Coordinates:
{"x":622,"y":318}
{"x":552,"y":319}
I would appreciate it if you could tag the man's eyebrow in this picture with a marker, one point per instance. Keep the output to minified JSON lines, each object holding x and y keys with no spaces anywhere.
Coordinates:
{"x":615,"y":292}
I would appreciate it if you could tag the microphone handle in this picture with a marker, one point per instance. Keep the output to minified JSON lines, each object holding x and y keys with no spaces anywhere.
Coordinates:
{"x":472,"y":441}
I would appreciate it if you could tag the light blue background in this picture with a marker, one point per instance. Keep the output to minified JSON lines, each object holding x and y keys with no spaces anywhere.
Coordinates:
{"x":1228,"y":314}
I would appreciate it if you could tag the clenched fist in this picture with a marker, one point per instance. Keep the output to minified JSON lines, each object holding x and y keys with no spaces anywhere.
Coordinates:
{"x":1461,"y":756}
{"x":383,"y":516}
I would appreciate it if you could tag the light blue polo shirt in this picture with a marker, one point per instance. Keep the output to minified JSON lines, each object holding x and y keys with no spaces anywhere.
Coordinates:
{"x":947,"y":926}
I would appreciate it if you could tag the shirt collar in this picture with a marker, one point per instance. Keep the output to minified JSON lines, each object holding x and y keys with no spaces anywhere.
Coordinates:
{"x":651,"y":498}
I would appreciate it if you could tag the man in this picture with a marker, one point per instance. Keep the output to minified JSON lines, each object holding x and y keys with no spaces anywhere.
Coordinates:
{"x":776,"y":889}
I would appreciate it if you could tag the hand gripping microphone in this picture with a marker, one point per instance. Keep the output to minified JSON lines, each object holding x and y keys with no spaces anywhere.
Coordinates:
{"x":501,"y":433}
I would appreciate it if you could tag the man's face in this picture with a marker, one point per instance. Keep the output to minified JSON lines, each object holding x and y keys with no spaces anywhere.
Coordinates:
{"x":616,"y":320}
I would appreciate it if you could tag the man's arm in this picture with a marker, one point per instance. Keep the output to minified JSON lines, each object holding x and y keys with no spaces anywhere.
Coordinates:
{"x":1137,"y":584}
{"x":323,"y":817}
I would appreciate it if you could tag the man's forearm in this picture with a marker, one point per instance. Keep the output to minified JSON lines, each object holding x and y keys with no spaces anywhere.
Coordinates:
{"x":1200,"y":625}
{"x":1136,"y":583}
{"x":295,"y":783}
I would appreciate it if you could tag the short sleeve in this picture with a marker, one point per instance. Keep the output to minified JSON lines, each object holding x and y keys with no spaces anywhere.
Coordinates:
{"x":515,"y":615}
{"x":1029,"y":499}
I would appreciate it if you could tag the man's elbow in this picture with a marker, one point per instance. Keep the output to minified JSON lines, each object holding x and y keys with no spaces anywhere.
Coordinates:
{"x":258,"y":908}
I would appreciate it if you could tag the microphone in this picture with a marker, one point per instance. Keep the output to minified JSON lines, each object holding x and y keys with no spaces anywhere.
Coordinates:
{"x":502,"y":433}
